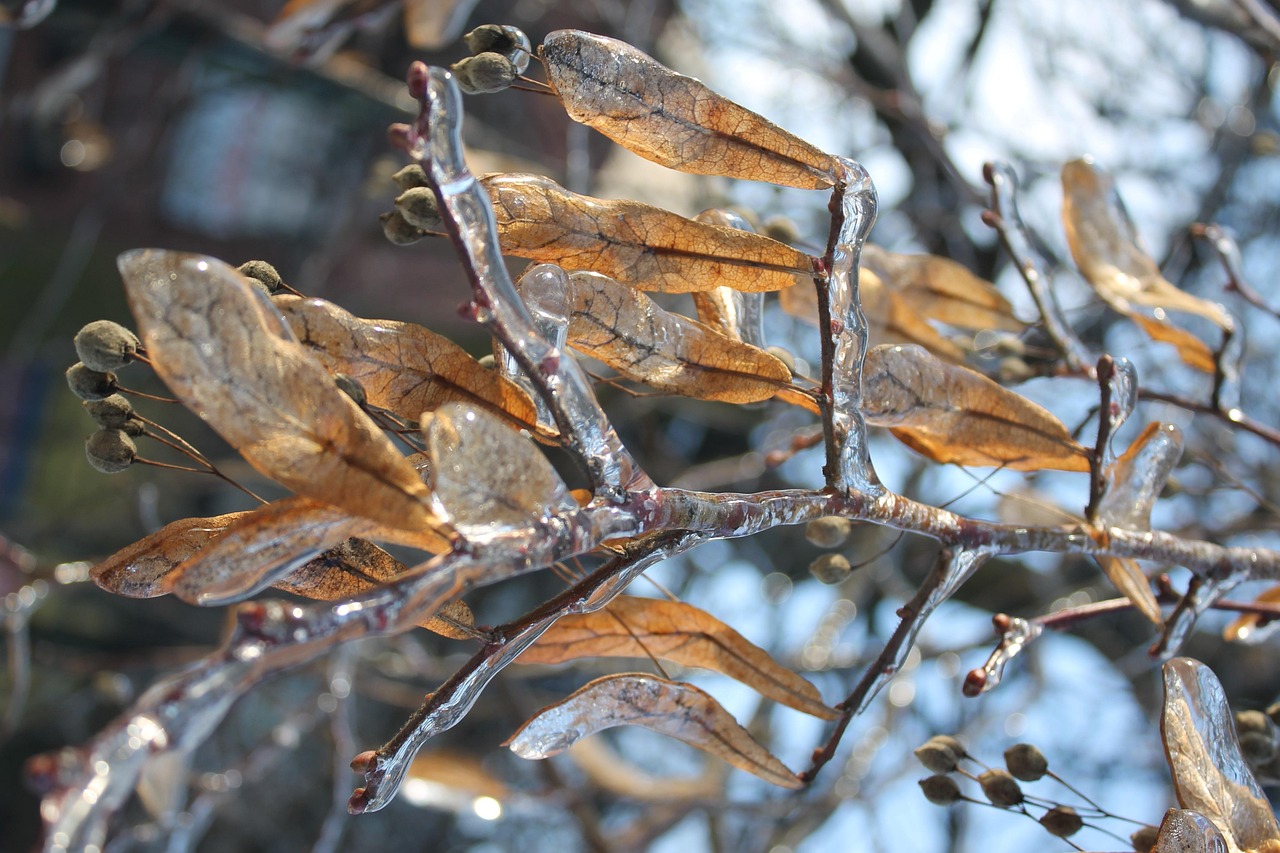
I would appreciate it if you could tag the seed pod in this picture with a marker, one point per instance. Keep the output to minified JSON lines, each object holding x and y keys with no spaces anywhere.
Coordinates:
{"x":398,"y":230}
{"x":263,"y":272}
{"x":940,"y":753}
{"x":831,"y":568}
{"x":484,"y":73}
{"x":350,"y":387}
{"x":829,"y":532}
{"x":88,"y":384}
{"x":105,"y":346}
{"x":1026,"y":762}
{"x":1257,"y":747}
{"x":411,"y":176}
{"x":783,"y":355}
{"x":110,"y":412}
{"x":1062,"y":821}
{"x":509,"y":41}
{"x":1000,"y":788}
{"x":487,"y":361}
{"x":781,"y":229}
{"x":1253,"y":721}
{"x":420,"y":209}
{"x":134,"y":426}
{"x":110,"y":450}
{"x":941,"y":790}
{"x":1144,"y":840}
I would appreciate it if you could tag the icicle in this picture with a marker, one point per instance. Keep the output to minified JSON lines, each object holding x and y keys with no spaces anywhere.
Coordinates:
{"x":857,"y":200}
{"x":1122,"y":387}
{"x":735,"y":313}
{"x":543,"y":289}
{"x":1135,"y":480}
{"x":1201,"y":595}
{"x":1015,"y":635}
{"x":436,"y":140}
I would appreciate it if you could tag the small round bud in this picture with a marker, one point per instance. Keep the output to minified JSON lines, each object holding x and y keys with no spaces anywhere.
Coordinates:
{"x":105,"y":346}
{"x":831,"y":568}
{"x":484,"y":73}
{"x":420,"y":209}
{"x":134,"y":426}
{"x":88,"y":384}
{"x":781,"y":229}
{"x":263,"y":272}
{"x":1026,"y":762}
{"x":1253,"y":721}
{"x":411,"y":176}
{"x":398,"y":230}
{"x":350,"y":387}
{"x":487,"y":361}
{"x":1062,"y":821}
{"x":110,"y":450}
{"x":783,"y":355}
{"x":1014,"y":369}
{"x":1257,"y":748}
{"x":941,"y":790}
{"x":1000,"y":788}
{"x":1144,"y":840}
{"x":509,"y":41}
{"x":110,"y":412}
{"x":940,"y":753}
{"x":829,"y":532}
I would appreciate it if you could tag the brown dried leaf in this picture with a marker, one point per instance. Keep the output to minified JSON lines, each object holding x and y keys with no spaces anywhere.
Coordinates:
{"x":680,"y":633}
{"x":637,"y":244}
{"x":1193,"y":351}
{"x":1108,"y":251}
{"x":633,"y":334}
{"x":486,"y":479}
{"x":1210,"y":775}
{"x":672,"y":119}
{"x":1128,"y":577}
{"x":1252,"y":628}
{"x":216,"y":343}
{"x":138,"y":570}
{"x":890,"y":320}
{"x":942,"y":290}
{"x":403,"y":368}
{"x":1184,"y":831}
{"x":357,"y":566}
{"x":677,"y":710}
{"x":953,"y":414}
{"x":266,"y":544}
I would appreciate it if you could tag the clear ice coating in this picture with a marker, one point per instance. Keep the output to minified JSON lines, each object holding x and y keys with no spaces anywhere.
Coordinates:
{"x":849,"y":329}
{"x":1136,"y":479}
{"x":543,"y":289}
{"x":1122,"y":387}
{"x":1202,"y":594}
{"x":737,"y":314}
{"x":1013,"y":640}
{"x":466,"y":207}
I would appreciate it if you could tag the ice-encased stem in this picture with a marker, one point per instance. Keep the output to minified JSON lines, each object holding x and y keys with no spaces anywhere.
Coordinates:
{"x":844,"y":332}
{"x":468,"y":215}
{"x":544,"y":291}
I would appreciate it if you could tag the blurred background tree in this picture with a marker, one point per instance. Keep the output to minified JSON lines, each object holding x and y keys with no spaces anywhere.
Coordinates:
{"x":243,"y":130}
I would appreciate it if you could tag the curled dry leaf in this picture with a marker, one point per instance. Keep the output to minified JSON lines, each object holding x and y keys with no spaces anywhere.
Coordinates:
{"x":215,"y":342}
{"x":942,"y":290}
{"x":403,"y":368}
{"x":633,"y":334}
{"x":138,"y":571}
{"x":266,"y":544}
{"x":1210,"y":775}
{"x":952,"y":414}
{"x":1127,"y":576}
{"x":1251,"y":628}
{"x":1193,"y":351}
{"x":672,"y":119}
{"x":676,"y":710}
{"x":637,"y":244}
{"x":486,"y":479}
{"x":680,"y":633}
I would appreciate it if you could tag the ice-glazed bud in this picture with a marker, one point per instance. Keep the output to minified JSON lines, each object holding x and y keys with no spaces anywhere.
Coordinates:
{"x":1000,"y":788}
{"x":831,"y":568}
{"x":411,"y":176}
{"x":111,"y":412}
{"x":398,"y":230}
{"x":484,"y":73}
{"x":1026,"y":762}
{"x":350,"y":387}
{"x":1144,"y":840}
{"x":509,"y":41}
{"x":110,"y":450}
{"x":263,"y":272}
{"x":1257,"y":748}
{"x":89,"y":384}
{"x":940,"y":753}
{"x":941,"y":790}
{"x":420,"y":209}
{"x":105,"y":346}
{"x":1062,"y":821}
{"x":829,"y":532}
